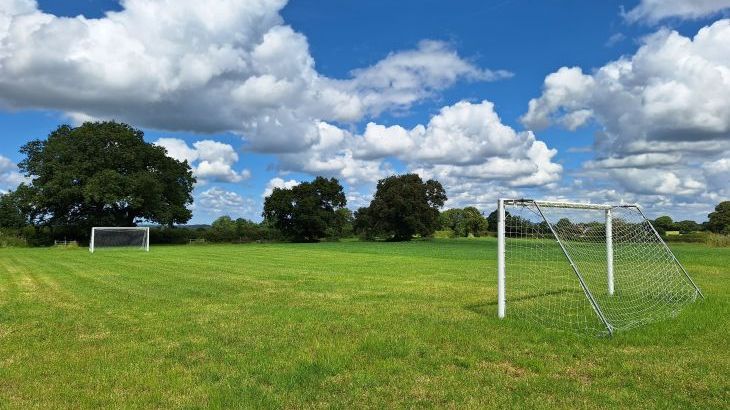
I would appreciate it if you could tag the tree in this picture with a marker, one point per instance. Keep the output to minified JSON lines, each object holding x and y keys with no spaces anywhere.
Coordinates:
{"x":403,"y":206}
{"x":493,"y":220}
{"x":222,"y":229}
{"x":719,"y":221}
{"x":11,"y":214}
{"x":663,"y":224}
{"x":103,"y":174}
{"x":342,"y":226}
{"x":687,"y":226}
{"x":464,"y":222}
{"x":305,"y":212}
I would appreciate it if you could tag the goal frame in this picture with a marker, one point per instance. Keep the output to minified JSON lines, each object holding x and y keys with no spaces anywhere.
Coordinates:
{"x":119,"y":228}
{"x":607,"y":208}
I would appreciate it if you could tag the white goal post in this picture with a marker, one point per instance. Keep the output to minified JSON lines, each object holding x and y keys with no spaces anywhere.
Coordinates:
{"x":120,"y":237}
{"x":579,"y":266}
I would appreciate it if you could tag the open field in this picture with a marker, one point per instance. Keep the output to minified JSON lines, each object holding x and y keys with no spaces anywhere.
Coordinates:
{"x":344,"y":325}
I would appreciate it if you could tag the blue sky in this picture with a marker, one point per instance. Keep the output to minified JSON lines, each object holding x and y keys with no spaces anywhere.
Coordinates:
{"x":485,"y":60}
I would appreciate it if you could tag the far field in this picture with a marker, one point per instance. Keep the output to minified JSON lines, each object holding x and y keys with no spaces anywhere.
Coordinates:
{"x":342,"y":325}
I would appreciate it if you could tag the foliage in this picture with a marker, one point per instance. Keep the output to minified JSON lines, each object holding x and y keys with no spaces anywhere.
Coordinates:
{"x":493,"y":220}
{"x":403,"y":206}
{"x":331,"y":325}
{"x":663,"y":224}
{"x":687,"y":226}
{"x":464,"y":222}
{"x":719,"y":221}
{"x":718,"y":240}
{"x":10,"y":239}
{"x":11,"y":215}
{"x":225,"y":229}
{"x":342,"y":226}
{"x":102,"y":174}
{"x":306,"y":212}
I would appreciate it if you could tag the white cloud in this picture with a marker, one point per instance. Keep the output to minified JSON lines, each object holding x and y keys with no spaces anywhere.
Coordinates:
{"x":10,"y":177}
{"x":663,"y":114}
{"x":278,"y":183}
{"x":717,"y":174}
{"x":635,"y":161}
{"x":406,"y":77}
{"x":469,"y":141}
{"x":178,"y":149}
{"x":653,"y":11}
{"x":463,"y":145}
{"x":212,"y":66}
{"x":615,"y":39}
{"x":212,"y":161}
{"x":218,"y":202}
{"x":651,"y":182}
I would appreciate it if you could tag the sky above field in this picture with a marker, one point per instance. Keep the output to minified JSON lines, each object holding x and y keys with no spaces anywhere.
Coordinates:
{"x":610,"y":101}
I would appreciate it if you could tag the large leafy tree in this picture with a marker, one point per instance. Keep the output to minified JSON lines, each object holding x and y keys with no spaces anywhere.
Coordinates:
{"x":102,"y":174}
{"x":306,"y":212}
{"x":403,"y":206}
{"x":663,"y":224}
{"x":464,"y":222}
{"x":719,"y":221}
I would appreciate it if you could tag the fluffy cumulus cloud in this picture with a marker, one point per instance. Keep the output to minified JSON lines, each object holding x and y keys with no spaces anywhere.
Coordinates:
{"x":212,"y":161}
{"x":653,"y":11}
{"x":10,"y":177}
{"x":663,"y":114}
{"x":217,"y":201}
{"x":465,"y":146}
{"x":236,"y":66}
{"x":210,"y":66}
{"x":278,"y":183}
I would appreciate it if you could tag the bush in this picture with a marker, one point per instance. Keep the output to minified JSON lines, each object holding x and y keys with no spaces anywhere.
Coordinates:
{"x":11,"y":240}
{"x":695,"y":237}
{"x":718,"y":240}
{"x":172,"y":236}
{"x":445,"y":233}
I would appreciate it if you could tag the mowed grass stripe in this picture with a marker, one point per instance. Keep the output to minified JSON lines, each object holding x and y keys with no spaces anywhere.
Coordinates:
{"x":329,"y":325}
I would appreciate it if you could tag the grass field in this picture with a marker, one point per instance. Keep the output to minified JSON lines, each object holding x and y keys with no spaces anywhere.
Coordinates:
{"x":342,"y":325}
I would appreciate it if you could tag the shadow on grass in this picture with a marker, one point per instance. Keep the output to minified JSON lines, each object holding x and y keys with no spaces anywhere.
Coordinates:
{"x":487,"y":308}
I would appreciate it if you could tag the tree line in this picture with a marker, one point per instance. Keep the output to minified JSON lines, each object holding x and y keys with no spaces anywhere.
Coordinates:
{"x":105,"y":174}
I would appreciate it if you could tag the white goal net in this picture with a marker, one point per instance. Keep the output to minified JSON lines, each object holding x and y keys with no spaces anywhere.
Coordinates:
{"x":118,"y":237}
{"x":584,"y":267}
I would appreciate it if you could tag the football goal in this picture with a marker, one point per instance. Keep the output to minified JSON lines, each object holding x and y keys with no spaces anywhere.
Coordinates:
{"x":120,"y":237}
{"x":586,"y":267}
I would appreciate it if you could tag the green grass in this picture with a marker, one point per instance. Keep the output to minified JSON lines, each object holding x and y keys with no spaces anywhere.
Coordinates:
{"x":339,"y":325}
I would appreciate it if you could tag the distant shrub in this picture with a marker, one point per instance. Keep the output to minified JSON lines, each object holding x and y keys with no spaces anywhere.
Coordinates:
{"x":445,"y":233}
{"x":718,"y":240}
{"x":695,"y":237}
{"x":11,"y":240}
{"x":172,"y":236}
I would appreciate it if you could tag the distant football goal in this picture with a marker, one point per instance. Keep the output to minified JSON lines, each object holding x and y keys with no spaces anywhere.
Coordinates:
{"x":586,"y":267}
{"x":119,"y":238}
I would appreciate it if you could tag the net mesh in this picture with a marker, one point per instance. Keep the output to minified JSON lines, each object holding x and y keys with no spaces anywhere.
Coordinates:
{"x":120,"y":238}
{"x":543,"y":287}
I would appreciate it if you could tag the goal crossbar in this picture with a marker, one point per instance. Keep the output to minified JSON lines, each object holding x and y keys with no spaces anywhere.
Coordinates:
{"x":571,"y":205}
{"x":578,"y":234}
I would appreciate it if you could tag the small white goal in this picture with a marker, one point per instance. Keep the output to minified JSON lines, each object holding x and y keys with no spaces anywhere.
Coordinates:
{"x":586,"y":267}
{"x":120,"y":237}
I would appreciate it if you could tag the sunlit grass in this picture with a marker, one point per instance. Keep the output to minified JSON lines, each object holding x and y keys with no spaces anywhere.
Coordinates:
{"x":345,"y":325}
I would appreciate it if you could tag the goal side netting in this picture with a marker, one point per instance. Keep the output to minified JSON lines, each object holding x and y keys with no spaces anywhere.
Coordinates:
{"x":120,"y":238}
{"x":583,"y":267}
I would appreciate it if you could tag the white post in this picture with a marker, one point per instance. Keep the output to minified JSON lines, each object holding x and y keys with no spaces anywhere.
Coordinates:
{"x":500,"y":260}
{"x":91,"y":244}
{"x":147,"y":240}
{"x":609,"y":251}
